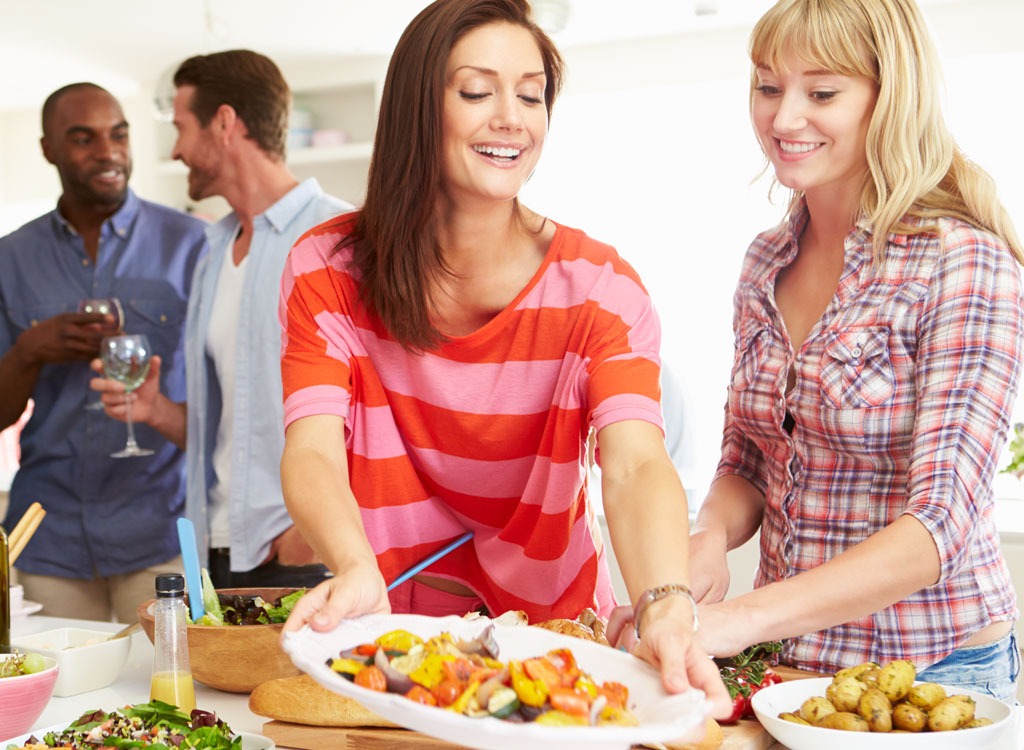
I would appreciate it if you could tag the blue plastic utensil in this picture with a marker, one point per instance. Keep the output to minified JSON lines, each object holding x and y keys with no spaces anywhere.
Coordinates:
{"x":190,"y":558}
{"x":430,"y":560}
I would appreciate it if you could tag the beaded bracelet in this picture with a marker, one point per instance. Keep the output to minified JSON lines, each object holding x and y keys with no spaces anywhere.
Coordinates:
{"x":660,"y":592}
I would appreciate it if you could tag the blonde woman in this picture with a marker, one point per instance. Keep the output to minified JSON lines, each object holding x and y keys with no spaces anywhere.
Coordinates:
{"x":878,"y":345}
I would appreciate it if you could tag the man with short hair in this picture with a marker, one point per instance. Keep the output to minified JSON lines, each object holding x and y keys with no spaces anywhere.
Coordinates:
{"x":110,"y":523}
{"x":231,"y":114}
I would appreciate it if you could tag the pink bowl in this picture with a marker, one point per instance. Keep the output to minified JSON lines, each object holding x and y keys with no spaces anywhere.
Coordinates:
{"x":23,"y":698}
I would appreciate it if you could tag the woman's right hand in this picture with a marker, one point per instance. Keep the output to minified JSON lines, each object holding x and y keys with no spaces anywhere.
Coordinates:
{"x":709,"y":568}
{"x":357,"y":591}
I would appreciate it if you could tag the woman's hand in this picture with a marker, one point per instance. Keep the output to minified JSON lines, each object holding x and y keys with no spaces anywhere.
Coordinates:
{"x":668,"y":643}
{"x":709,"y":567}
{"x":724,"y":631}
{"x":357,"y":591}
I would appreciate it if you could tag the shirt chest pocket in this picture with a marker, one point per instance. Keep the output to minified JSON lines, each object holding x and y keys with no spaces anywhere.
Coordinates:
{"x":161,"y":320}
{"x":752,"y":342}
{"x":856,"y":369}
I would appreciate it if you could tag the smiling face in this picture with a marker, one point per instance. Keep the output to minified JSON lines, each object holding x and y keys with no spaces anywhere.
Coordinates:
{"x":196,"y":147}
{"x":812,"y":125}
{"x":494,"y":119}
{"x":86,"y":139}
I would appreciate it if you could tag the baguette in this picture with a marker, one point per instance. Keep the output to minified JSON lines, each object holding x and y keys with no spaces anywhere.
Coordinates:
{"x":300,"y":700}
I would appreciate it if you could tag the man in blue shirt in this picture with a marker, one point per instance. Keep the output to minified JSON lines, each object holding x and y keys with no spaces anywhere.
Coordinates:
{"x":231,"y":113}
{"x":110,"y":523}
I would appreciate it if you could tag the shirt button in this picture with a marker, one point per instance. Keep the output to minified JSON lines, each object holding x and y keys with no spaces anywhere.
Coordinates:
{"x":163,"y":318}
{"x":85,"y":262}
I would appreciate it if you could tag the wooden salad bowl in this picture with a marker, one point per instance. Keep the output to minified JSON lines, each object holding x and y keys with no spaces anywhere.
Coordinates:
{"x":233,"y":658}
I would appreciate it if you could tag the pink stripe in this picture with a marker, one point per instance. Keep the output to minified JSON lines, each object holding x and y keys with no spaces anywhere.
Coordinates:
{"x":398,"y":527}
{"x":342,"y":336}
{"x":317,"y":399}
{"x":313,"y":252}
{"x":491,"y":388}
{"x":626,"y":406}
{"x":539,"y":581}
{"x":531,"y":477}
{"x":562,"y":284}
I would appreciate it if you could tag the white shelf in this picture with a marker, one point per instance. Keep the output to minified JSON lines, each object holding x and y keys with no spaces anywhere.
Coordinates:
{"x":356,"y":151}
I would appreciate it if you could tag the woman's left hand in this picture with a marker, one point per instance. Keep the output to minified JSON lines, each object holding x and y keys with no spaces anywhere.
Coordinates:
{"x":668,"y":643}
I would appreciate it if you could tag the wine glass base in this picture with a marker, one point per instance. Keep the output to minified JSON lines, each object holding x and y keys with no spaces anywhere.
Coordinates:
{"x":132,"y":452}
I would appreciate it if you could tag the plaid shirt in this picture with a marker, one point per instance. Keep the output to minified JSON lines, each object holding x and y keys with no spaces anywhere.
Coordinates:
{"x":901,"y":405}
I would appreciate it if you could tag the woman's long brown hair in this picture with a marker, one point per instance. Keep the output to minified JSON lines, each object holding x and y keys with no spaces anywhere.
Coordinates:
{"x":395,"y":247}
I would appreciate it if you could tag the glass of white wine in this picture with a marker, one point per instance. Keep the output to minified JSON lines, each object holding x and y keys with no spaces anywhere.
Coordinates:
{"x":104,"y":306}
{"x":126,"y":359}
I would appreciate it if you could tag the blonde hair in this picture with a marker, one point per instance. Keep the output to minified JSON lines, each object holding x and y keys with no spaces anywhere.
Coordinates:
{"x":914,"y":167}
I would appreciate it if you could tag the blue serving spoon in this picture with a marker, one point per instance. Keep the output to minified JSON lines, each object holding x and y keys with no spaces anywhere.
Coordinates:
{"x":190,"y":558}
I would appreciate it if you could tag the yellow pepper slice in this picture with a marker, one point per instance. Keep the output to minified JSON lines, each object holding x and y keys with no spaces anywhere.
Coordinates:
{"x":430,"y":671}
{"x":398,"y":640}
{"x":347,"y":666}
{"x":462,"y":702}
{"x":531,"y":692}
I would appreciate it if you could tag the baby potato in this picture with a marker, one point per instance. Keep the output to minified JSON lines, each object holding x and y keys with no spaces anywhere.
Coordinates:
{"x":977,"y":722}
{"x":814,"y":709}
{"x":875,"y":708}
{"x":870,"y":676}
{"x":896,"y":679}
{"x":845,"y":693}
{"x":858,"y":670}
{"x":908,"y":718}
{"x":794,"y":718}
{"x":926,"y":695}
{"x":851,"y":722}
{"x":951,"y":713}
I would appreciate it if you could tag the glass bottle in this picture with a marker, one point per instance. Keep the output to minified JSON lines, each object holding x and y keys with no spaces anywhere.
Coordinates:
{"x":5,"y":596}
{"x":172,"y":675}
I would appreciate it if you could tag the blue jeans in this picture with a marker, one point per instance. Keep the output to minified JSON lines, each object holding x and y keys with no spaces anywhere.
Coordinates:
{"x":993,"y":669}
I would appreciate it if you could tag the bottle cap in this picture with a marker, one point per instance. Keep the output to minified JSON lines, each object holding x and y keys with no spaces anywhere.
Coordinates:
{"x":170,"y":584}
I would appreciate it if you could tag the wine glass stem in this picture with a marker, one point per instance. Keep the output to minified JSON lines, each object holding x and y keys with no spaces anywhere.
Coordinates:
{"x":128,"y":420}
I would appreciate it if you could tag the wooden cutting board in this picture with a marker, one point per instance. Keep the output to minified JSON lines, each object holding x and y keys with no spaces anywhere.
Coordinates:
{"x":746,"y":735}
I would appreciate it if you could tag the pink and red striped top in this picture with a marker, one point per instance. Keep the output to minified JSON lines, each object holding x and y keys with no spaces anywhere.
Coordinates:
{"x":486,"y":432}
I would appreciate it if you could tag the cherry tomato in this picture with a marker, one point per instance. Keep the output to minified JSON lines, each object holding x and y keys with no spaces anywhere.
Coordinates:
{"x":771,"y":677}
{"x":543,"y":670}
{"x":616,"y":693}
{"x":372,"y":678}
{"x":447,"y":691}
{"x":570,"y":701}
{"x":739,"y":703}
{"x":420,"y":694}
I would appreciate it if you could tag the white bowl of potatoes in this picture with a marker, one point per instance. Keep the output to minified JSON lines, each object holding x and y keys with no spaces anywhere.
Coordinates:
{"x":884,"y":707}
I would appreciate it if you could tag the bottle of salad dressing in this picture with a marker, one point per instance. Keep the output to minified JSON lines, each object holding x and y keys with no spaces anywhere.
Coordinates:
{"x":172,"y":674}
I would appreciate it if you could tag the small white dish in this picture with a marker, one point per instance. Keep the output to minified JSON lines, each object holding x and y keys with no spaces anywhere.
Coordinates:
{"x":788,"y":696}
{"x":662,"y":717}
{"x":87,"y":660}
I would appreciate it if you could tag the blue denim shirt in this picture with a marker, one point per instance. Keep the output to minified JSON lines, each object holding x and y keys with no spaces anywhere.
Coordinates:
{"x":103,"y":515}
{"x":257,"y":514}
